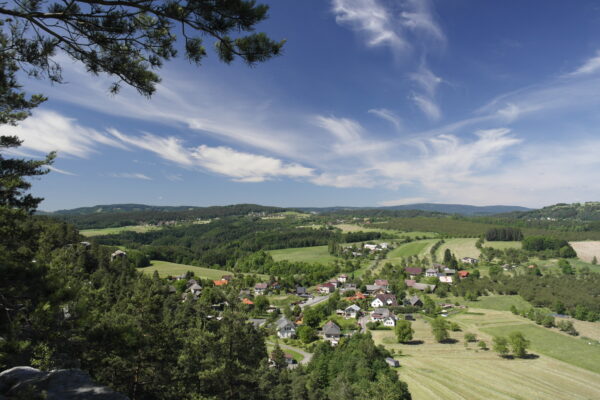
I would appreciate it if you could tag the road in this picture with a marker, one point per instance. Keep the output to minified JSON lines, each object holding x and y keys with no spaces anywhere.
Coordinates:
{"x":315,"y":300}
{"x":362,"y":321}
{"x":307,"y":356}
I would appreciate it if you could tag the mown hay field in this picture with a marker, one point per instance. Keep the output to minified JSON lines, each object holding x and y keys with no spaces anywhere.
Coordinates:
{"x":166,"y":268}
{"x":587,"y":250}
{"x":313,"y":254}
{"x":115,"y":231}
{"x":452,"y":371}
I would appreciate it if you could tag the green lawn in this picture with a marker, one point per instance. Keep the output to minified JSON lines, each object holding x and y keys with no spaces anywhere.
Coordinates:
{"x":295,"y":355}
{"x":503,"y":245}
{"x":315,"y":254}
{"x":114,"y":231}
{"x":283,"y":300}
{"x":545,"y":341}
{"x":166,"y":268}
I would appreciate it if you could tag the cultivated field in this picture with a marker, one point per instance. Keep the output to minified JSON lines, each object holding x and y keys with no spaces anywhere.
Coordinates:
{"x":453,"y":371}
{"x":166,"y":268}
{"x":314,"y":254}
{"x":587,"y":250}
{"x":114,"y":231}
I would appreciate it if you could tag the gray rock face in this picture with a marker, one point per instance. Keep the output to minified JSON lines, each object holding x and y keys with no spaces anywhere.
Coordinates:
{"x":63,"y":384}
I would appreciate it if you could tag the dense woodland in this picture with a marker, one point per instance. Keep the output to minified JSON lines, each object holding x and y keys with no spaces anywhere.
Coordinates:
{"x":110,"y":218}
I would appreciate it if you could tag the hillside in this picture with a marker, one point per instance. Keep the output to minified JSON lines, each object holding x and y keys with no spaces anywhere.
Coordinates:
{"x":589,"y":211}
{"x":117,"y":208}
{"x":119,"y":215}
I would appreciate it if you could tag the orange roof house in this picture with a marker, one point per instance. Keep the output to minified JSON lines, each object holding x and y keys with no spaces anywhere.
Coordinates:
{"x":357,"y":296}
{"x":220,"y":282}
{"x":463,"y":274}
{"x":247,"y":301}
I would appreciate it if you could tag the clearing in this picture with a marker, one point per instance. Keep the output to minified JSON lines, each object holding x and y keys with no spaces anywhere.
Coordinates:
{"x":430,"y":368}
{"x":114,"y":231}
{"x":417,"y":248}
{"x":314,"y":254}
{"x":166,"y":268}
{"x":465,"y":247}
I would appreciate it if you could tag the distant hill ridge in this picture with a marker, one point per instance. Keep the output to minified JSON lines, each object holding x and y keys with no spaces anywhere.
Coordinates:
{"x":461,"y":209}
{"x":588,"y":211}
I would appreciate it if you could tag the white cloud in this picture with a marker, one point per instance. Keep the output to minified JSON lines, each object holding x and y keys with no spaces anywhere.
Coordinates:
{"x":246,"y":167}
{"x":47,"y":131}
{"x":387,"y":115}
{"x":591,"y":66}
{"x":240,"y":166}
{"x":349,"y":137}
{"x":372,"y":19}
{"x":426,"y":79}
{"x":420,"y":18}
{"x":131,"y":175}
{"x":425,"y":100}
{"x":402,"y":201}
{"x":174,"y":177}
{"x":427,"y":106}
{"x":341,"y":180}
{"x":61,"y":171}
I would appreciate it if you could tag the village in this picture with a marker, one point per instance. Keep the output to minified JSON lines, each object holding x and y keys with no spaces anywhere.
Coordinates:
{"x":371,"y":306}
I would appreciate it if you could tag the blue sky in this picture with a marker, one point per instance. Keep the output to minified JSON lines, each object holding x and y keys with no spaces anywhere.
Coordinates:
{"x":373,"y":102}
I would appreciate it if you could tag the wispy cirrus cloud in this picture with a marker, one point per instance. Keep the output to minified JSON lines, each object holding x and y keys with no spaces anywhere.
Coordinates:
{"x":590,"y":66}
{"x":131,"y":175}
{"x":47,"y":131}
{"x":419,"y":17}
{"x":373,"y":20}
{"x":237,"y":165}
{"x":412,"y":28}
{"x":387,"y":115}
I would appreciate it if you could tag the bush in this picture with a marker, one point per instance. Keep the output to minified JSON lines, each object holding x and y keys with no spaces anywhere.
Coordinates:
{"x":567,"y":326}
{"x":482,"y":345}
{"x":404,"y":331}
{"x":470,"y":337}
{"x":454,"y":327}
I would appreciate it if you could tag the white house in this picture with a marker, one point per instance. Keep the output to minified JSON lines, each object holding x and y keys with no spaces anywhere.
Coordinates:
{"x":352,"y":311}
{"x":446,"y":279}
{"x":371,"y":247}
{"x":380,"y":314}
{"x":389,"y":322}
{"x":384,"y":300}
{"x":431,"y":272}
{"x":285,"y":328}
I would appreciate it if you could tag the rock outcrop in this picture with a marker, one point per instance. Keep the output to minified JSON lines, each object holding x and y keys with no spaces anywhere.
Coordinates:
{"x":63,"y":384}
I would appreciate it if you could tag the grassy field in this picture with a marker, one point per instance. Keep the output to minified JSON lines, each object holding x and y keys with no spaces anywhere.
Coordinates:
{"x":493,"y":302}
{"x":166,"y":268}
{"x":503,"y":245}
{"x":419,"y":247}
{"x":454,"y":372}
{"x":545,"y":341}
{"x":358,"y":228}
{"x":316,"y":254}
{"x":114,"y":231}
